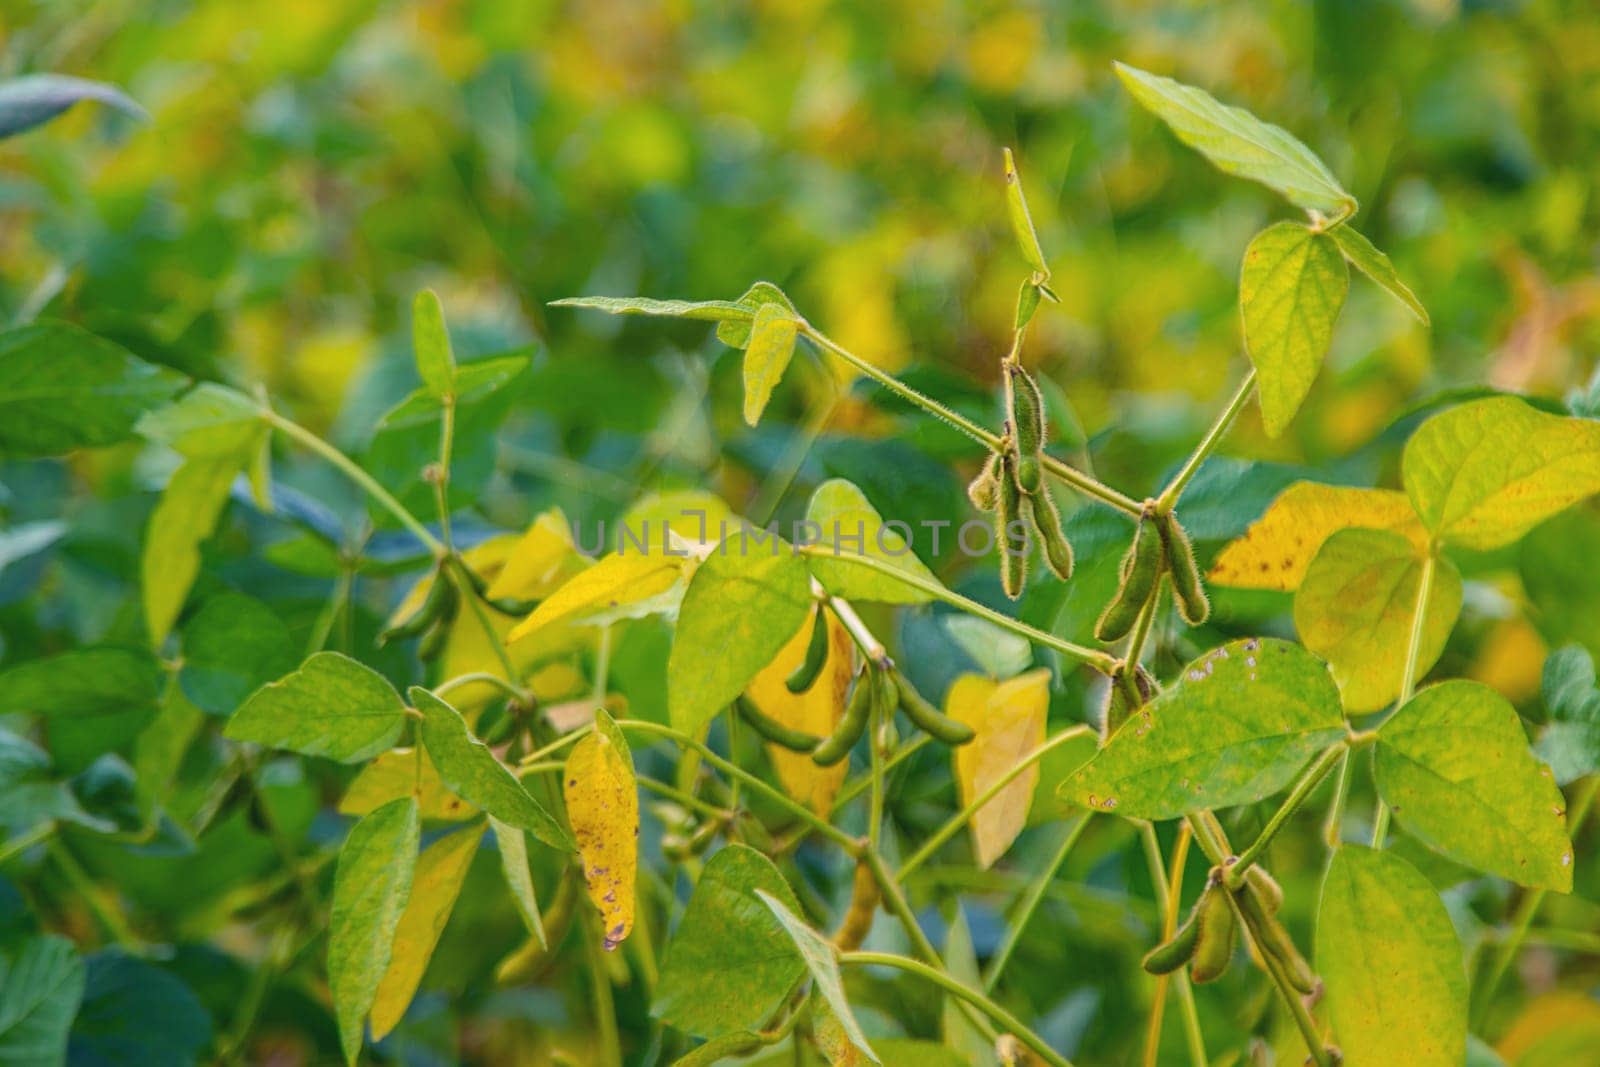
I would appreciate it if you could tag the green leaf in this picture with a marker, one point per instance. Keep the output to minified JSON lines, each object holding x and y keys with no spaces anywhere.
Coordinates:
{"x":1355,"y":609}
{"x":431,"y":343}
{"x":35,"y":99}
{"x":710,"y":310}
{"x":231,"y":647}
{"x":441,"y":870}
{"x":766,"y":357}
{"x":958,"y":1033}
{"x":184,"y":518}
{"x":1570,"y":742}
{"x":819,"y":959}
{"x":62,"y":388}
{"x":734,"y":330}
{"x":1375,"y":265}
{"x":742,"y":606}
{"x":472,"y":772}
{"x":1388,"y":955}
{"x":209,"y":420}
{"x":1454,"y":764}
{"x":88,"y":681}
{"x":29,"y":795}
{"x":729,"y":965}
{"x":330,"y":706}
{"x":513,"y":846}
{"x":1237,"y":727}
{"x":41,"y":984}
{"x":846,"y":524}
{"x":370,"y":891}
{"x":1556,"y":564}
{"x":1022,"y":229}
{"x":1238,"y":143}
{"x":1291,"y":288}
{"x":1483,"y":474}
{"x":122,"y":997}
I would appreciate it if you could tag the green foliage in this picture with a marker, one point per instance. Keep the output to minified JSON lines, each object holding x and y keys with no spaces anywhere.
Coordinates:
{"x":1291,"y":289}
{"x":330,"y":706}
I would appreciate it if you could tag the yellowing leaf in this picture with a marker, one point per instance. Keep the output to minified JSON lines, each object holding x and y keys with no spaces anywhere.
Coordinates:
{"x":1483,"y":474}
{"x":766,"y":357}
{"x":540,"y":562}
{"x":1009,"y":719}
{"x":1555,"y":1030}
{"x":1278,"y":547}
{"x":603,"y":806}
{"x":187,"y":513}
{"x":690,"y":514}
{"x":1389,"y":956}
{"x":396,"y":773}
{"x":1291,"y":288}
{"x":617,"y":580}
{"x":1355,"y":608}
{"x":816,"y":711}
{"x":441,"y":869}
{"x":1454,"y":764}
{"x":486,"y":558}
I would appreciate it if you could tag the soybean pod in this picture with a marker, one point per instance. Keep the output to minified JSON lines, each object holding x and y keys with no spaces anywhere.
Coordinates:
{"x":857,"y":713}
{"x":805,"y":676}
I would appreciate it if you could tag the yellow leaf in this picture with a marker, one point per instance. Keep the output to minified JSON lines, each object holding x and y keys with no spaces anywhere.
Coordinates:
{"x":603,"y":805}
{"x":1009,"y":718}
{"x":1278,"y":547}
{"x":540,"y":562}
{"x":395,"y":774}
{"x":816,"y":711}
{"x":1553,"y":1030}
{"x":616,"y":580}
{"x":441,"y":869}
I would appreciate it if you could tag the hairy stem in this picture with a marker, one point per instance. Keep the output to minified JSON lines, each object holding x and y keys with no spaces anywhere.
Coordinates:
{"x":1308,"y":781}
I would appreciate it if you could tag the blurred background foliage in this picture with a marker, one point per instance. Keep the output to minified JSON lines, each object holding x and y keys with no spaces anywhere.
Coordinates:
{"x":310,"y":164}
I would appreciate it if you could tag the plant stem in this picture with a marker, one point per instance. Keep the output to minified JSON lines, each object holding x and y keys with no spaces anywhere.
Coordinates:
{"x":1219,"y":429}
{"x":18,"y":845}
{"x":1169,"y":885}
{"x":474,"y":677}
{"x":965,"y":815}
{"x":860,"y":785}
{"x":1141,"y":628}
{"x":1036,"y":891}
{"x":1084,"y":483}
{"x":688,"y":800}
{"x":441,"y":483}
{"x":464,"y":586}
{"x":782,"y":800}
{"x":1008,"y":1022}
{"x":84,"y":886}
{"x":605,"y":1006}
{"x":350,"y":469}
{"x":1408,"y":678}
{"x":1333,"y":828}
{"x":1103,"y":662}
{"x":875,"y":793}
{"x":1308,"y":781}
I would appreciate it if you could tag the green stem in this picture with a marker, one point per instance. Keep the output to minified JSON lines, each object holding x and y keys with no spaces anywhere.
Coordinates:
{"x":1089,"y":485}
{"x":18,"y":845}
{"x":1103,"y":662}
{"x":688,"y":800}
{"x":965,"y":815}
{"x":1008,"y":1022}
{"x":84,"y":886}
{"x":1333,"y":828}
{"x":1408,"y":678}
{"x":782,"y":800}
{"x":1030,"y":904}
{"x":1141,"y":628}
{"x":460,"y":681}
{"x":350,"y":469}
{"x":860,"y":785}
{"x":605,"y":1006}
{"x":875,"y":794}
{"x":1219,"y":429}
{"x":464,"y":586}
{"x":1308,"y":781}
{"x":441,"y":483}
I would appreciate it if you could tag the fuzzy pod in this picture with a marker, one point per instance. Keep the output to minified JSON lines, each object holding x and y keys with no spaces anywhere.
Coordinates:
{"x":440,"y":603}
{"x":854,"y":723}
{"x":1213,"y":949}
{"x":772,"y":730}
{"x":1053,"y":541}
{"x":1141,"y":571}
{"x":1187,"y":588}
{"x":1128,"y":692}
{"x":1273,"y":940}
{"x":984,"y":489}
{"x":1177,"y":949}
{"x":1265,"y":888}
{"x":929,"y":719}
{"x":1028,"y":419}
{"x":857,"y":921}
{"x":1010,"y":533}
{"x":803,"y":677}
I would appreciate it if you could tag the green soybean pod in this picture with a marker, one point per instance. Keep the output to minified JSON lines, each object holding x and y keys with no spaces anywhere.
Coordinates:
{"x":803,"y":677}
{"x":439,"y":602}
{"x":1176,"y":950}
{"x":1186,"y":585}
{"x":1027,"y":416}
{"x":854,"y":723}
{"x":1141,"y":570}
{"x":774,"y":731}
{"x":984,"y":489}
{"x":1213,"y":949}
{"x":1010,"y":534}
{"x":1265,"y":888}
{"x":1052,"y":538}
{"x":929,"y":719}
{"x":1274,"y":941}
{"x":1128,"y":692}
